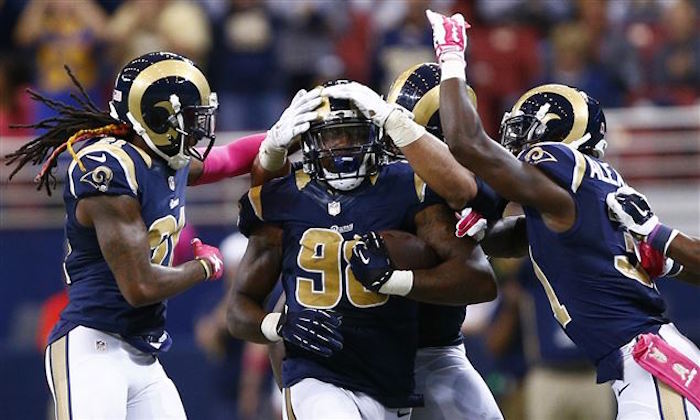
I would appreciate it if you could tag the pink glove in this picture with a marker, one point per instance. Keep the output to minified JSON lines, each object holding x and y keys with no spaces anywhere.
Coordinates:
{"x":471,"y":224}
{"x":449,"y":36}
{"x":210,"y":257}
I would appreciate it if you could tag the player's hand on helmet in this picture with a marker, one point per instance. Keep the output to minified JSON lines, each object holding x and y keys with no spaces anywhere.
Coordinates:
{"x":449,"y":36}
{"x":295,"y":120}
{"x":471,"y":224}
{"x":365,"y":99}
{"x":632,"y":210}
{"x":314,"y":330}
{"x":370,"y":262}
{"x":210,"y":258}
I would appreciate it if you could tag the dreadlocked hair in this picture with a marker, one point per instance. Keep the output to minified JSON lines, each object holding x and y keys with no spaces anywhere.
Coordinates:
{"x":71,"y":125}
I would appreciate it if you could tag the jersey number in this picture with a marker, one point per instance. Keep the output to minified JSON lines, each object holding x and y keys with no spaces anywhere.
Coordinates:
{"x":323,"y":251}
{"x":559,"y":310}
{"x":163,"y":236}
{"x":622,"y":264}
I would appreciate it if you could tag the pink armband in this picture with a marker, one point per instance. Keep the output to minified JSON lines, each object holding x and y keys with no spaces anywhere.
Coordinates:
{"x":233,"y":159}
{"x":669,"y":365}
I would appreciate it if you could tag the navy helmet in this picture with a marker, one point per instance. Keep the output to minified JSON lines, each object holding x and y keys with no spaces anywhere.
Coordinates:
{"x":555,"y":113}
{"x":342,"y":147}
{"x":418,"y":90}
{"x":166,"y":99}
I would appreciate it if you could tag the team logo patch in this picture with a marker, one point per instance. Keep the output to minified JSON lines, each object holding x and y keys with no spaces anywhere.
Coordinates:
{"x":99,"y":178}
{"x":537,"y":155}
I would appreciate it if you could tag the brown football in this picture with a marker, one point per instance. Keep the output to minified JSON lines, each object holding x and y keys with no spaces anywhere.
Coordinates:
{"x":407,"y":251}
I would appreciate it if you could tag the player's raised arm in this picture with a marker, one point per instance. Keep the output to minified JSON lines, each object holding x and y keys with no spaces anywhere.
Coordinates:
{"x":463,"y":277}
{"x":471,"y":146}
{"x":633,"y":211}
{"x":123,"y":240}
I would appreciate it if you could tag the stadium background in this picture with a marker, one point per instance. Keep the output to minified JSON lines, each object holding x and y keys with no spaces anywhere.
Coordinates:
{"x":640,"y":58}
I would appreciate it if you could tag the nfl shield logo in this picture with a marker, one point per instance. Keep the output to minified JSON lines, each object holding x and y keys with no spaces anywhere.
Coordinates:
{"x":334,"y":208}
{"x":171,"y":183}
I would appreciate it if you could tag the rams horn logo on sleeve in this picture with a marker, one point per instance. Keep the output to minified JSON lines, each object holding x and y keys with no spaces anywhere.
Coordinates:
{"x":99,"y":178}
{"x":538,"y":155}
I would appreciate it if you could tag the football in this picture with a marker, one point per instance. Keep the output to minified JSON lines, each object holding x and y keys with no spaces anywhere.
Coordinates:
{"x":407,"y":251}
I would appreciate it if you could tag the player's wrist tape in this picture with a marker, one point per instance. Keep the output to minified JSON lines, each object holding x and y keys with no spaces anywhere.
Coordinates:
{"x":452,"y":65}
{"x":268,"y":326}
{"x":207,"y":268}
{"x":400,"y":283}
{"x":271,"y":158}
{"x":661,"y":236}
{"x":402,"y":129}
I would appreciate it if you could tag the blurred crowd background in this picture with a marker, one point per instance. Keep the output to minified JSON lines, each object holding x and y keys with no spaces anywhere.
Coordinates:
{"x":256,"y":53}
{"x":629,"y":54}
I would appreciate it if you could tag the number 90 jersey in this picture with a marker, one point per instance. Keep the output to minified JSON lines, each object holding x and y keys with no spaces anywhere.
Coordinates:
{"x":596,"y":291}
{"x":379,"y":331}
{"x":115,"y":167}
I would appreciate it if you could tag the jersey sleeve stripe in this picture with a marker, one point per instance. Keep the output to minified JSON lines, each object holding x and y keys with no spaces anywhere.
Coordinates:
{"x":302,"y":179}
{"x":255,"y":201}
{"x":420,"y":187}
{"x":579,"y":171}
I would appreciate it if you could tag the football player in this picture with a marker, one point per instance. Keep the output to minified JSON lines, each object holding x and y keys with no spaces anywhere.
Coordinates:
{"x":350,"y":346}
{"x":550,"y":160}
{"x":125,"y":209}
{"x":632,"y":210}
{"x":451,"y":387}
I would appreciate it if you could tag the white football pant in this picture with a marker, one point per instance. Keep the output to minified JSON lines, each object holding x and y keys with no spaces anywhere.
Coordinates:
{"x":451,"y":387}
{"x":311,"y":399}
{"x":640,"y":396}
{"x":96,"y":375}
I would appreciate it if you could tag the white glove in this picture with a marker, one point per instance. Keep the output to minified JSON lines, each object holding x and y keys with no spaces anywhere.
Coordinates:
{"x":631,"y":208}
{"x":395,"y":120}
{"x":450,"y":43}
{"x":295,"y":120}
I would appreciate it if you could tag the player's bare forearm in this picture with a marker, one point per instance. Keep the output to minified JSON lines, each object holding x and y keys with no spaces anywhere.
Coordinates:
{"x":511,"y":178}
{"x":259,"y":175}
{"x":464,"y":276}
{"x":434,"y":164}
{"x":507,"y":238}
{"x":686,"y":250}
{"x":256,"y":277}
{"x":123,"y":241}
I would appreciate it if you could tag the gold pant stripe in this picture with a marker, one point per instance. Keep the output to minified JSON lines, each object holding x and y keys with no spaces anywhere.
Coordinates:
{"x":670,"y":402}
{"x":288,"y":404}
{"x":58,"y":359}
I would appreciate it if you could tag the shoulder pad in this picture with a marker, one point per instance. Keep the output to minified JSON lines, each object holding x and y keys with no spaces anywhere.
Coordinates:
{"x":559,"y":161}
{"x":109,"y":167}
{"x":268,"y":202}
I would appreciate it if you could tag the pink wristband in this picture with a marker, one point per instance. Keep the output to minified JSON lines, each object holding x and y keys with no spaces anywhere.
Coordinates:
{"x":233,"y":159}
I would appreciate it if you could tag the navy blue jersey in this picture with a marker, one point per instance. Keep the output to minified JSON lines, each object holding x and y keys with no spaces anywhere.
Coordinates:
{"x":595,"y":290}
{"x":441,"y":325}
{"x":115,"y":167}
{"x":380,"y":331}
